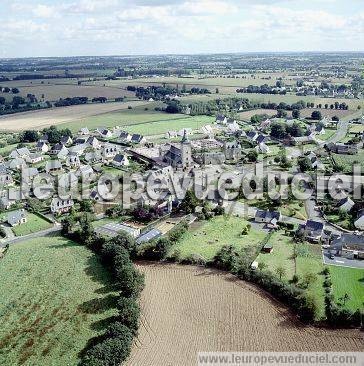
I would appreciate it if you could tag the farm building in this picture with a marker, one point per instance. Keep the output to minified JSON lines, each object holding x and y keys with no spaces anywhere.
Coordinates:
{"x":268,"y":248}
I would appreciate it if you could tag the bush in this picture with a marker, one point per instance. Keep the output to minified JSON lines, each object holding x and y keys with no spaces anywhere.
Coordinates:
{"x":111,"y":351}
{"x":194,"y":259}
{"x":129,"y":281}
{"x":219,"y":210}
{"x":129,"y":313}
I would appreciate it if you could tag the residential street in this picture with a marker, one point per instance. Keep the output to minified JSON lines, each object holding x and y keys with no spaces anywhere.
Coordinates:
{"x":341,"y":261}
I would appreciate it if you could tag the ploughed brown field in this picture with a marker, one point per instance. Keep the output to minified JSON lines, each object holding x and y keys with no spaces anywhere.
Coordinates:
{"x":188,"y":309}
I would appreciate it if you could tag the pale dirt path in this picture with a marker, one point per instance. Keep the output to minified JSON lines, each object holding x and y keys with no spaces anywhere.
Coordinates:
{"x":55,"y":116}
{"x":188,"y":309}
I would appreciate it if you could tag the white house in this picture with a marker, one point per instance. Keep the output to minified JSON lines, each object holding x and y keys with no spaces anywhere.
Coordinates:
{"x":42,"y":147}
{"x":59,"y":205}
{"x":171,"y":134}
{"x":109,"y":151}
{"x":121,"y":160}
{"x":73,"y":161}
{"x":34,"y":158}
{"x":84,"y":131}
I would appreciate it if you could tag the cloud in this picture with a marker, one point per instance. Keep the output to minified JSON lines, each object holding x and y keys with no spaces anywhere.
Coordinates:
{"x":128,"y":26}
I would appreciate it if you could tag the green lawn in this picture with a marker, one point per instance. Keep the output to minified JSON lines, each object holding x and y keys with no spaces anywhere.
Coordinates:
{"x":350,"y":281}
{"x":308,"y":260}
{"x":34,"y":223}
{"x":329,"y":132}
{"x":104,"y":221}
{"x":347,"y":161}
{"x":205,"y":239}
{"x":54,"y":297}
{"x":281,"y":256}
{"x":139,"y":120}
{"x":112,"y":171}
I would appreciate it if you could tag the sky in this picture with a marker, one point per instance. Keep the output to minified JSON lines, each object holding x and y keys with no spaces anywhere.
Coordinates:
{"x":35,"y":28}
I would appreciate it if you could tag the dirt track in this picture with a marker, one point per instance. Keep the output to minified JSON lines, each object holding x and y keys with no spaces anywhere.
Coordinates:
{"x":188,"y":309}
{"x":55,"y":116}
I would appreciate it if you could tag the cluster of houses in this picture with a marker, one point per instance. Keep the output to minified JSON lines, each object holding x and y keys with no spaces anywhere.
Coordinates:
{"x":347,"y":245}
{"x":72,"y":158}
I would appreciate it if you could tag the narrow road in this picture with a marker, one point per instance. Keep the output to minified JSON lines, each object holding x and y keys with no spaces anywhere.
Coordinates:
{"x":342,"y":130}
{"x":17,"y":239}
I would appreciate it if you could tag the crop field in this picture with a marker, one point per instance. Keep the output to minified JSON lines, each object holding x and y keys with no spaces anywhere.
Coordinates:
{"x":56,"y":91}
{"x":54,"y":297}
{"x":71,"y":116}
{"x":205,"y":240}
{"x":34,"y":223}
{"x":348,"y":281}
{"x":190,"y":309}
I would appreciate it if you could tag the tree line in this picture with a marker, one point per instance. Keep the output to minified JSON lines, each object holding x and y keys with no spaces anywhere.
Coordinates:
{"x":116,"y":254}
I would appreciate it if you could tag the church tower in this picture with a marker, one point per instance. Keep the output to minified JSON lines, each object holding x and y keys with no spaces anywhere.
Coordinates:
{"x":186,"y":151}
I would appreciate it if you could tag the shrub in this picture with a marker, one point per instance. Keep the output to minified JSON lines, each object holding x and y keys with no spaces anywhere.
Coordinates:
{"x":129,"y":313}
{"x":129,"y":281}
{"x":219,"y":210}
{"x":109,"y":352}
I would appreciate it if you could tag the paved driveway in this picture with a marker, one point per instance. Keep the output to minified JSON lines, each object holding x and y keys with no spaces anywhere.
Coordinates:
{"x":341,"y":261}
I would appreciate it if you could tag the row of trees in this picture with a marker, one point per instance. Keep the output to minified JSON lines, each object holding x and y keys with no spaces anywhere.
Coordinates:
{"x":53,"y":133}
{"x":262,"y":89}
{"x":113,"y":347}
{"x":281,"y":130}
{"x":6,"y":89}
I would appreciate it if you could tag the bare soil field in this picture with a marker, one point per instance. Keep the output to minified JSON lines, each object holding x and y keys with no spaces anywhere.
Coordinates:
{"x":55,"y":116}
{"x":189,"y":309}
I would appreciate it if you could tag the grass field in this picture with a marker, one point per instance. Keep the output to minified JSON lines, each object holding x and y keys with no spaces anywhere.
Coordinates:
{"x":161,"y":127}
{"x":34,"y":223}
{"x":206,"y":238}
{"x":54,"y":297}
{"x":308,"y":260}
{"x":124,"y":117}
{"x":350,"y":281}
{"x":347,"y":161}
